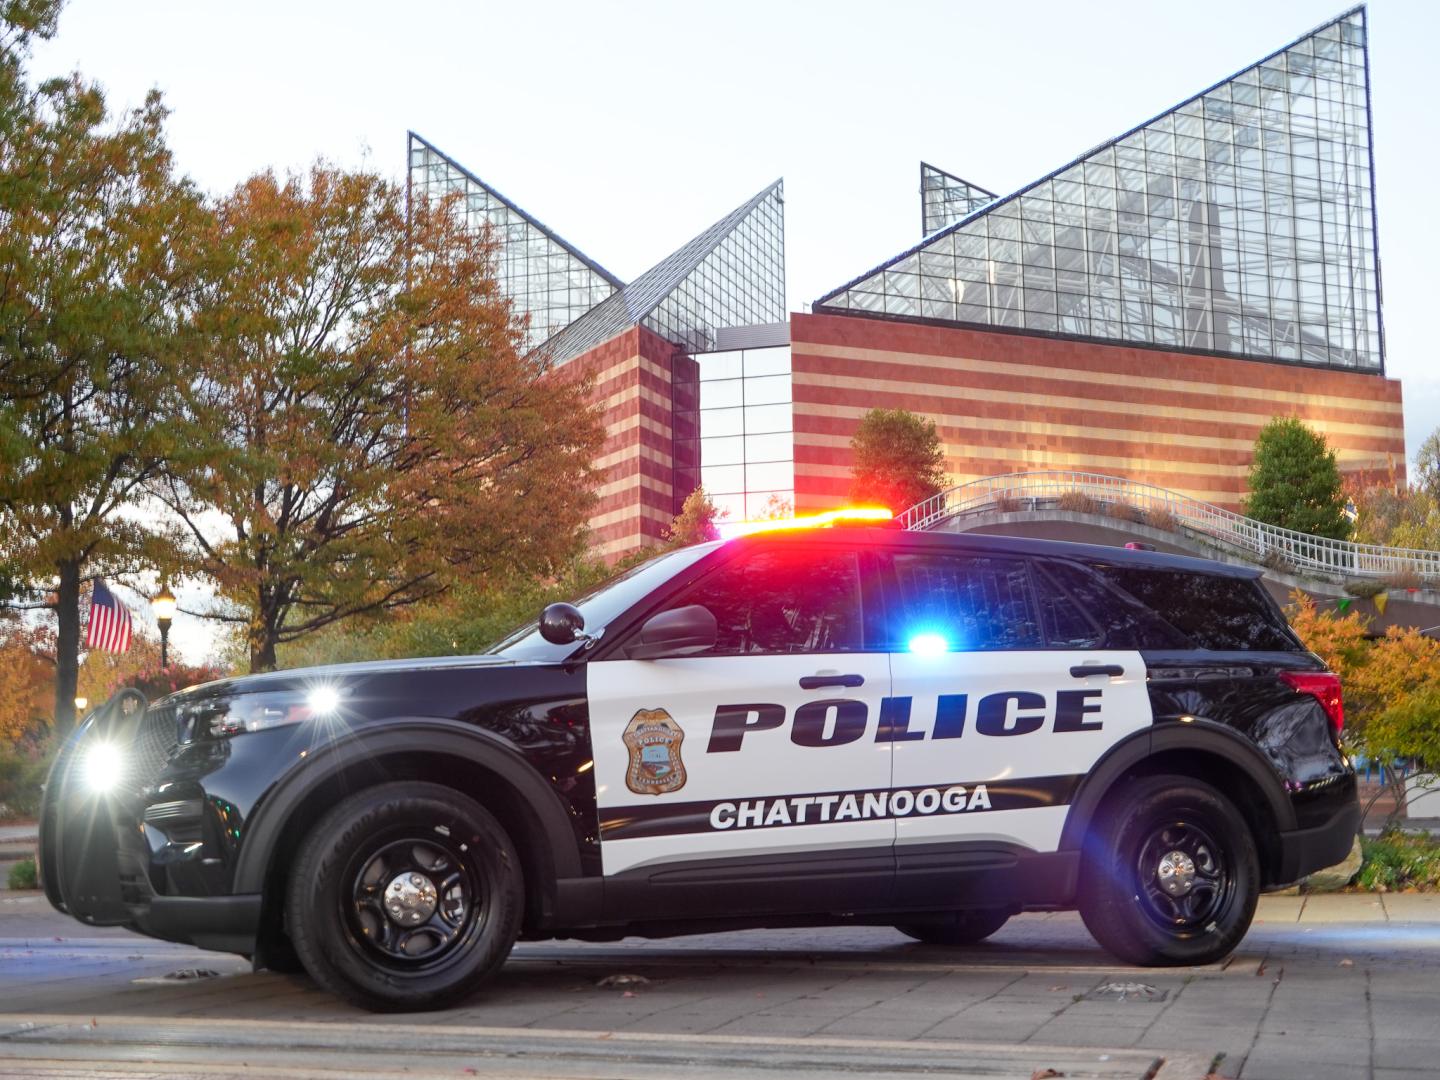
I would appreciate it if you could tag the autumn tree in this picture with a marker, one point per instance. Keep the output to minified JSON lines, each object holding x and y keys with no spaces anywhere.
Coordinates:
{"x":96,"y":266}
{"x":362,"y":429}
{"x":696,"y":522}
{"x":897,"y":461}
{"x":1391,"y":684}
{"x":26,"y":671}
{"x":1295,"y":481}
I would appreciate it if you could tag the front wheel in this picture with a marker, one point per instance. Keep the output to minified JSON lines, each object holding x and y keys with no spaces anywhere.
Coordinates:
{"x":1170,"y":876}
{"x":405,"y":897}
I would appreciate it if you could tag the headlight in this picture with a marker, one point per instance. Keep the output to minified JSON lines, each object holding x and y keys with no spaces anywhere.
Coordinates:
{"x":103,"y":766}
{"x":245,"y":713}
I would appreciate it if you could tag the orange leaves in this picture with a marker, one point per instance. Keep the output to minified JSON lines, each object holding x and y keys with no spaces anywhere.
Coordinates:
{"x":1391,"y":683}
{"x":26,"y":674}
{"x":363,"y":428}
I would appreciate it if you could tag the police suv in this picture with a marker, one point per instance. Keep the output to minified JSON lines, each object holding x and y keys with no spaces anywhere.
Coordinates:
{"x":794,"y":727}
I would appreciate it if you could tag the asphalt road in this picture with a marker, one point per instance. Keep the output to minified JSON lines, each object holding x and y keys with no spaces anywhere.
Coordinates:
{"x":1339,"y":987}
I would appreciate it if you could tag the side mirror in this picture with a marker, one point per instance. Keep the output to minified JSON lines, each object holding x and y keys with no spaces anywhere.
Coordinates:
{"x":679,"y":632}
{"x":561,"y":624}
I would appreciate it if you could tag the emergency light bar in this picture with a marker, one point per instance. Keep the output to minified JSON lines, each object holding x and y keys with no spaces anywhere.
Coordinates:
{"x":849,"y":515}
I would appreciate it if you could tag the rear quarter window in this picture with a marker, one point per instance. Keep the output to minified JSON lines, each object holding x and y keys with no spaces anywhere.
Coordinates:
{"x":1215,"y":611}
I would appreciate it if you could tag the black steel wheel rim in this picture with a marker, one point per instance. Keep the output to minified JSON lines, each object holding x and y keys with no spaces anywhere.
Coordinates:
{"x":414,"y":899}
{"x":1195,"y":860}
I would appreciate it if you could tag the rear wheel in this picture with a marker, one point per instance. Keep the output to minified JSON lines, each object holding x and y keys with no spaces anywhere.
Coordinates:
{"x":1171,"y":876}
{"x":959,"y":928}
{"x":405,"y":897}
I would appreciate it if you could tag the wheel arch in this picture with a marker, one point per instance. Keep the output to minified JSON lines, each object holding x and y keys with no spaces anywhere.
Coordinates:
{"x":474,"y":762}
{"x":1203,"y":749}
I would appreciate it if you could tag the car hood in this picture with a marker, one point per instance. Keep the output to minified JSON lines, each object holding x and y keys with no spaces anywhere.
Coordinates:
{"x":339,"y":673}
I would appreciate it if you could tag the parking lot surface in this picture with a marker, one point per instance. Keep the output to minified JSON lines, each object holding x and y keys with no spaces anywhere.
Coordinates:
{"x":1325,"y":986}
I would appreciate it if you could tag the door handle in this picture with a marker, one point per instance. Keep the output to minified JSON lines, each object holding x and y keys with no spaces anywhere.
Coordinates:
{"x":815,"y":682}
{"x":1080,"y":671}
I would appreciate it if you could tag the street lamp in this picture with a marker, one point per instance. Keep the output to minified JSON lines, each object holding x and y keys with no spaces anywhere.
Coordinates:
{"x":164,"y":607}
{"x":80,"y":704}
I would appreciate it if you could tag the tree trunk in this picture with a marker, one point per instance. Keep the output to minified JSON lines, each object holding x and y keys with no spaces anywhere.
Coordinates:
{"x":262,"y":636}
{"x":67,"y":646}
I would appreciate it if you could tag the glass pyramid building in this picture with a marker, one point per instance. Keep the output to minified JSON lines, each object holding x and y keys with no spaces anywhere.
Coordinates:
{"x":1240,"y":222}
{"x":946,"y":199}
{"x":731,"y":275}
{"x":547,"y":279}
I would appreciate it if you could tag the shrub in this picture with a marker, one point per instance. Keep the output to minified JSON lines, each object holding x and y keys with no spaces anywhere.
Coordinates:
{"x":1157,"y":517}
{"x":1403,"y":579}
{"x":1398,"y":860}
{"x":22,"y":875}
{"x":1274,"y":559}
{"x":1006,"y":504}
{"x":1126,"y":512}
{"x":22,"y":772}
{"x":1077,"y":502}
{"x":1364,"y":587}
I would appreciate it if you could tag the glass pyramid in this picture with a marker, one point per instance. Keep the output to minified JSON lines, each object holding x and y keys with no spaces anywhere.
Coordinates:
{"x":1239,"y":222}
{"x":544,"y":277}
{"x":946,"y":199}
{"x":732,"y":274}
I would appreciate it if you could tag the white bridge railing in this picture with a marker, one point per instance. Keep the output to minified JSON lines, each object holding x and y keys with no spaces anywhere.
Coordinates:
{"x":1171,"y":511}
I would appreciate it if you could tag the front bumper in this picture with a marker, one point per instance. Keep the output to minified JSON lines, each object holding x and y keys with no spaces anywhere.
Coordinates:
{"x":154,"y":852}
{"x":223,"y":923}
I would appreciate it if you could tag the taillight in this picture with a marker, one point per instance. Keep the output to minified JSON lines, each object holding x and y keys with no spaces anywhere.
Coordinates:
{"x":1324,"y":687}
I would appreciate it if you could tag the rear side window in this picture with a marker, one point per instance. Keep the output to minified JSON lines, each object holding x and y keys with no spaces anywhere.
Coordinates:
{"x":1126,"y":623}
{"x":1214,"y":611}
{"x":973,"y":602}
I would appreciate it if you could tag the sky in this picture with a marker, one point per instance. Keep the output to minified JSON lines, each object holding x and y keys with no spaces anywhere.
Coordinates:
{"x":629,"y":127}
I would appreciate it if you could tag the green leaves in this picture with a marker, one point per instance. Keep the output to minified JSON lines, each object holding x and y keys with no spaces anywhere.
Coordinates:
{"x":361,"y":432}
{"x":898,"y":460}
{"x":1295,"y":481}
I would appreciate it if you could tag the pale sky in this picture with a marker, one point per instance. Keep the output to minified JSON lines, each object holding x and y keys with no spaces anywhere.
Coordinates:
{"x":629,"y":127}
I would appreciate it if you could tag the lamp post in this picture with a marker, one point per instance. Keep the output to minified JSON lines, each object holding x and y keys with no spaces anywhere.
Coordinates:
{"x":164,"y":607}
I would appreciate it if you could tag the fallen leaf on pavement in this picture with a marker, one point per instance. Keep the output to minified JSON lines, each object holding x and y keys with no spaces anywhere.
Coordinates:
{"x":1045,"y":1074}
{"x":623,"y":980}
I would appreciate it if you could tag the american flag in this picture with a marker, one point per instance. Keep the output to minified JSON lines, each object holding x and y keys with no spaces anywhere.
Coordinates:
{"x":109,"y":627}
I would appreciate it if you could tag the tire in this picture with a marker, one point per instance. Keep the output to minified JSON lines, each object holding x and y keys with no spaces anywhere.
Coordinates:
{"x":405,"y":897}
{"x":1131,"y":896}
{"x":961,"y":928}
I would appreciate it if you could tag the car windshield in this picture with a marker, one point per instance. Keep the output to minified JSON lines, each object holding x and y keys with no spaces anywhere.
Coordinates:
{"x":604,"y":603}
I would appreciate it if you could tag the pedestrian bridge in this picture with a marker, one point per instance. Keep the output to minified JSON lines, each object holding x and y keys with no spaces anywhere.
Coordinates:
{"x":1097,"y":509}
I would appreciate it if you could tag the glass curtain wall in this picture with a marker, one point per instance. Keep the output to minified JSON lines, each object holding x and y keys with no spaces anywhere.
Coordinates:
{"x":946,"y":199}
{"x":747,"y":441}
{"x":544,"y":277}
{"x":1240,"y":222}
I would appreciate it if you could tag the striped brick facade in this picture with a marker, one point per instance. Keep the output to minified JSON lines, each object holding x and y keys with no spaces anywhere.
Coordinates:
{"x":1012,"y":403}
{"x":649,"y":393}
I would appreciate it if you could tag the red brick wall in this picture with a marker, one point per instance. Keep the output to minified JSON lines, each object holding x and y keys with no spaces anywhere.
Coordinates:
{"x":648,"y":391}
{"x":1009,"y":403}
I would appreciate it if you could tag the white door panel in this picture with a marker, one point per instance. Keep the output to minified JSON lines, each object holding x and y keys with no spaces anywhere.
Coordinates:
{"x":763,"y":765}
{"x":1016,"y":726}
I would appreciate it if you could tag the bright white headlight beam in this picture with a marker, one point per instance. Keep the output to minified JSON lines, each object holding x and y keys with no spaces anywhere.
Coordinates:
{"x":104,"y":766}
{"x":323,"y":700}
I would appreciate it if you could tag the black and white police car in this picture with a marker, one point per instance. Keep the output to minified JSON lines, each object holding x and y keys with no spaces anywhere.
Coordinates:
{"x":792,"y":727}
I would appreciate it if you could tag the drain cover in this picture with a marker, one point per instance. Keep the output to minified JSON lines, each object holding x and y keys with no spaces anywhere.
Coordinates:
{"x":1126,"y":991}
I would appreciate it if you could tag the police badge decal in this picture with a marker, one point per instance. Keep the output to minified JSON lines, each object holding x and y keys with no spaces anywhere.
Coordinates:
{"x":653,"y":739}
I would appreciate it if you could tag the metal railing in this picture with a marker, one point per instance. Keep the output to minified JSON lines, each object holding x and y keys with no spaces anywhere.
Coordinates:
{"x":1281,"y":549}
